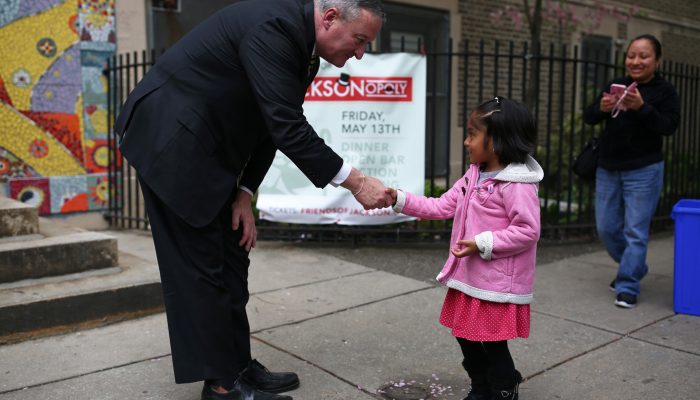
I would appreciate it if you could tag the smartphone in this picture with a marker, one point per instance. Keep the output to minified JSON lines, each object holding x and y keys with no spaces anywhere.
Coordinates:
{"x":617,"y":89}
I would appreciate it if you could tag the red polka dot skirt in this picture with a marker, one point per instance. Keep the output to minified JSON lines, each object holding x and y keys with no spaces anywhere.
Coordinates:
{"x":484,"y":321}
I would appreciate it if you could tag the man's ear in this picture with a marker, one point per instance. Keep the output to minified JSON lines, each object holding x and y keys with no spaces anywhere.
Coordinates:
{"x":330,"y":16}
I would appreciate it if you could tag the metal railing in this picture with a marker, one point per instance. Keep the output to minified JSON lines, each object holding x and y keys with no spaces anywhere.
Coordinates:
{"x":566,"y":85}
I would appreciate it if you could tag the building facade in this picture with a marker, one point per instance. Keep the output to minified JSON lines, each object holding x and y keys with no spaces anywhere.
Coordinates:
{"x":52,"y":91}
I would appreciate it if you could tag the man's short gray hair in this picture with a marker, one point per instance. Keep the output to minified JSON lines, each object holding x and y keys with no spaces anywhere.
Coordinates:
{"x":350,"y":9}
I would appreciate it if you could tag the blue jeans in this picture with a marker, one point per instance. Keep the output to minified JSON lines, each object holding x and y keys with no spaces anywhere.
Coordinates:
{"x":625,"y":202}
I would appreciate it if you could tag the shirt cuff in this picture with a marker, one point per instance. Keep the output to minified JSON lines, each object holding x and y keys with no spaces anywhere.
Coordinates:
{"x":342,"y":175}
{"x":245,"y":189}
{"x":400,"y":201}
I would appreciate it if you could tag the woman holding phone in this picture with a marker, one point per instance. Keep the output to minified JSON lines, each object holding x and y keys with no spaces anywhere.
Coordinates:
{"x":638,"y":109}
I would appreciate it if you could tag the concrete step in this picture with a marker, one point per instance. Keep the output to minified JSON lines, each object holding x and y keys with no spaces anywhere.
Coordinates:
{"x":17,"y":218}
{"x":56,"y":255}
{"x":39,"y":307}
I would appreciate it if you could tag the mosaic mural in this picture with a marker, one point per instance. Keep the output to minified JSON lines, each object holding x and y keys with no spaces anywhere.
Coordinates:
{"x":53,"y":118}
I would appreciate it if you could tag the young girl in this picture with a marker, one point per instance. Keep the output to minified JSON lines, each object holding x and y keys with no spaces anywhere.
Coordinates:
{"x":496,"y":226}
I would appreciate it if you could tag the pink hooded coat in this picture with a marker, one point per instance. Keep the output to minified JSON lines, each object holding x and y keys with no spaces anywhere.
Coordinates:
{"x":502,"y":215}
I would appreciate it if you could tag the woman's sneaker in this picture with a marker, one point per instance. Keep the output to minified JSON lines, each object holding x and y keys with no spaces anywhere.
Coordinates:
{"x":626,"y":300}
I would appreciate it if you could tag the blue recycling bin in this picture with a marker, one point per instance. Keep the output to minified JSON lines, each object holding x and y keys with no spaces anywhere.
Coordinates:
{"x":686,"y":264}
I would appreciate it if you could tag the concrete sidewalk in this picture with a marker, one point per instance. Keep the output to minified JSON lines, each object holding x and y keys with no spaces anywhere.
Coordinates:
{"x":354,"y":332}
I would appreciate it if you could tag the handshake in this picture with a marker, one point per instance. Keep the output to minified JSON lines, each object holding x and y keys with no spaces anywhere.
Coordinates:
{"x":369,"y":191}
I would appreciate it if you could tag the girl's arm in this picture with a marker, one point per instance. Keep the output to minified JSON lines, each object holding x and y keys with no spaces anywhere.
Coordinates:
{"x":523,"y":210}
{"x":442,"y":207}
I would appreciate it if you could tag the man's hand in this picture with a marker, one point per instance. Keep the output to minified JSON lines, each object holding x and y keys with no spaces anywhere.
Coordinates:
{"x":368,"y":191}
{"x":373,"y":194}
{"x":243,"y":215}
{"x":468,"y":249}
{"x":391,"y":192}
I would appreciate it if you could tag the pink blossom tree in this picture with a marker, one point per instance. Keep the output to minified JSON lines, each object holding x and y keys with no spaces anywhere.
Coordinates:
{"x":564,"y":17}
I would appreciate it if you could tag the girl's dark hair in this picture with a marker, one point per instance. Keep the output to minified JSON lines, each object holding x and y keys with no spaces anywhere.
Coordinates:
{"x":511,"y":128}
{"x":652,"y":39}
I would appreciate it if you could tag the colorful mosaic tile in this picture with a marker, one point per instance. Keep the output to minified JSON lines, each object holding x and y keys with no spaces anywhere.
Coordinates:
{"x":98,"y":189}
{"x":22,"y":54}
{"x":4,"y":96}
{"x":64,"y":127}
{"x":13,"y":167}
{"x":53,"y":120}
{"x":47,"y":47}
{"x":31,"y":7}
{"x":18,"y":132}
{"x":33,"y":191}
{"x":38,"y":148}
{"x":69,"y":194}
{"x":97,"y":155}
{"x":96,"y":21}
{"x":8,"y":11}
{"x":21,"y":78}
{"x":59,"y":87}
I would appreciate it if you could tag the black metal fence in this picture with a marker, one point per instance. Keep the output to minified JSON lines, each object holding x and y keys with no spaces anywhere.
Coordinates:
{"x":565,"y":85}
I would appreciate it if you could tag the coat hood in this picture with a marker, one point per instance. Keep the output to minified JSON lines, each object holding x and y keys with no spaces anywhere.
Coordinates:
{"x":528,"y":172}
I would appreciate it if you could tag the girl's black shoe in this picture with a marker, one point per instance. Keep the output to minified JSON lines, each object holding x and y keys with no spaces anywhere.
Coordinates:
{"x":507,"y":393}
{"x":474,"y":395}
{"x":479,"y":388}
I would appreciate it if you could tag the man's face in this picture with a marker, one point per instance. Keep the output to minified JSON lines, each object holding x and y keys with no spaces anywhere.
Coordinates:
{"x":339,"y":39}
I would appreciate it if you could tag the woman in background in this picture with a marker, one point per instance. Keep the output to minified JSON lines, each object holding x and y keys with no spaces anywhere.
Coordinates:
{"x":630,"y":170}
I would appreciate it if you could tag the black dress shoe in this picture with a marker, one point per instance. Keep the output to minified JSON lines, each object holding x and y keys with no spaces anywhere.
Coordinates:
{"x":251,"y":393}
{"x":261,"y":378}
{"x":208,"y":393}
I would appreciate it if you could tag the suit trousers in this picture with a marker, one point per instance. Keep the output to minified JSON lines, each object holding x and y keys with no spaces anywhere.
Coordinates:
{"x":204,"y":275}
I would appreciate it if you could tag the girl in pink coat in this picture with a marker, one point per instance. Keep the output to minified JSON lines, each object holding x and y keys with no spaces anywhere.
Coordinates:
{"x":491,"y":265}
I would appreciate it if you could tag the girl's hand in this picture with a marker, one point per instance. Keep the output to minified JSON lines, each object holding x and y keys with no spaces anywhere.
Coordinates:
{"x":607,"y":102}
{"x":633,"y":100}
{"x":391,"y":192}
{"x":468,"y":249}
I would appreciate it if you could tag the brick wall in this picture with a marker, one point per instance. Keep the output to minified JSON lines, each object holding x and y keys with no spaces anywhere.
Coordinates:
{"x":687,"y":9}
{"x":478,"y":25}
{"x":681,"y":48}
{"x":681,"y":44}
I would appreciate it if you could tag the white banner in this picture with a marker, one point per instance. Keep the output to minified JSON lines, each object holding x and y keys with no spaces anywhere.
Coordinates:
{"x":373,"y":115}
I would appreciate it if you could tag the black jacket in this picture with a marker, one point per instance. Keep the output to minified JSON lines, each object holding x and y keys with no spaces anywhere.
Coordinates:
{"x":634,"y":139}
{"x":218,"y":104}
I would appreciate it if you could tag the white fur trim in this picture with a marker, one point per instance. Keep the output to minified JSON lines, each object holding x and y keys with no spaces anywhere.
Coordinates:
{"x":400,"y":201}
{"x":489,"y":295}
{"x":484,"y":242}
{"x":529,"y":172}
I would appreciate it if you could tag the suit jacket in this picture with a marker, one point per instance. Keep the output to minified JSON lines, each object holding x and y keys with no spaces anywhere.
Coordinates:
{"x":217,"y":105}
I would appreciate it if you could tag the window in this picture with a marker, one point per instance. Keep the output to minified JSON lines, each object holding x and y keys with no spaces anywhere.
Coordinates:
{"x":406,"y":41}
{"x":169,"y":20}
{"x":419,"y":29}
{"x":597,"y":54}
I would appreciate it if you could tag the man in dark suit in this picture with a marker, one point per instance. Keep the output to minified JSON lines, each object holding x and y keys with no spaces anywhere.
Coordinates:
{"x":201,"y":129}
